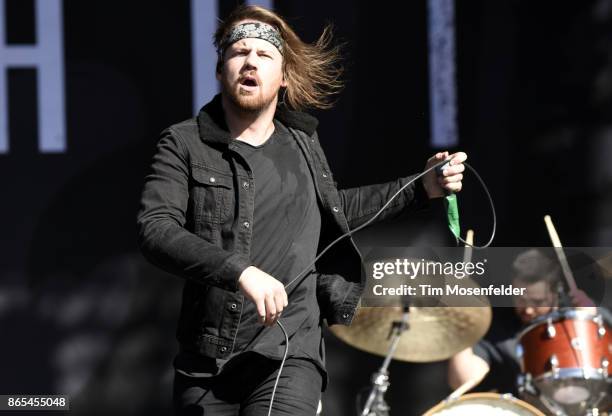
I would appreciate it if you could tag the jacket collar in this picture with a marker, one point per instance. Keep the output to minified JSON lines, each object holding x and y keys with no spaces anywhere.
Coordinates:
{"x":213,"y":128}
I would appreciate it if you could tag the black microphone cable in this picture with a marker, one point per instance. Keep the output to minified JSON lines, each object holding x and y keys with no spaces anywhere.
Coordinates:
{"x":349,"y":233}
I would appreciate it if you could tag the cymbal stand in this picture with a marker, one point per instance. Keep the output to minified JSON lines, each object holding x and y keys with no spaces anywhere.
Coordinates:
{"x":375,"y":404}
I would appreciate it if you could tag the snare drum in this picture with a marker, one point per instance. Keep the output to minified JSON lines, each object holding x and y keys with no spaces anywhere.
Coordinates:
{"x":484,"y":404}
{"x":566,"y":355}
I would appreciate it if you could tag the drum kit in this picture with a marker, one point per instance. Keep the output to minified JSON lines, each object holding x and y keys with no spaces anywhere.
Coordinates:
{"x":565,"y":357}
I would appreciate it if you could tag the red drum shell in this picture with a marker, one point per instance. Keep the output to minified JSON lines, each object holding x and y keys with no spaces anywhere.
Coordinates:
{"x":576,"y":343}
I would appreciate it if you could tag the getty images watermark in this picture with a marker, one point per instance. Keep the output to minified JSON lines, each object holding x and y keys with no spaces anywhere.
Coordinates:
{"x":411,"y":269}
{"x":499,"y":276}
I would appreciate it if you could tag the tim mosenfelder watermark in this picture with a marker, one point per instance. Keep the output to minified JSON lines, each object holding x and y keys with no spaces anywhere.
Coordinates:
{"x":440,"y":271}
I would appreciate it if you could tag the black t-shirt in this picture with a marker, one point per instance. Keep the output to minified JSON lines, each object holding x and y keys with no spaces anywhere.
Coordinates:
{"x":286,"y":230}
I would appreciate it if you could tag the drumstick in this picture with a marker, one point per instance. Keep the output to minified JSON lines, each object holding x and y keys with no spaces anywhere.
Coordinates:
{"x":469,"y":239}
{"x":468,"y":385}
{"x":556,"y":242}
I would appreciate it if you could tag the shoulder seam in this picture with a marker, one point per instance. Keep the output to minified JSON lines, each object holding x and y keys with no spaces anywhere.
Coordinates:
{"x":180,"y":140}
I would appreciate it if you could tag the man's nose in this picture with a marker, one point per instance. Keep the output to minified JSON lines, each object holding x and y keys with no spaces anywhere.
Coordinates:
{"x":251,"y":60}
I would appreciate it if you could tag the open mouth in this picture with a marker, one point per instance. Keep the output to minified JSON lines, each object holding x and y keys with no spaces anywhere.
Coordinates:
{"x":249,"y":82}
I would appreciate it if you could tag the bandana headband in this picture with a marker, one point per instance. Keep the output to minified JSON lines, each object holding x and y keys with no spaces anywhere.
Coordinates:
{"x":257,"y":30}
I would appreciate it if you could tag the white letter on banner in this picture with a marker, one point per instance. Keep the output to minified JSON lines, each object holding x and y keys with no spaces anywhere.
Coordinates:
{"x":263,"y":3}
{"x":203,"y":54}
{"x":47,"y":56}
{"x":442,"y":88}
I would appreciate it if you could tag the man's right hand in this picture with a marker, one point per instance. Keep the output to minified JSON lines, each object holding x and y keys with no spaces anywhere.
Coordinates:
{"x":267,"y":293}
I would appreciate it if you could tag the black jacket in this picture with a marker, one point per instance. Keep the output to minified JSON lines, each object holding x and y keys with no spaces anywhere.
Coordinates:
{"x":195,"y":222}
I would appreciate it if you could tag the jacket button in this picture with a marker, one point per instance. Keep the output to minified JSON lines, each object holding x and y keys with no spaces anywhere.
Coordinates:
{"x":223,"y":349}
{"x":245,"y":185}
{"x":233,"y":306}
{"x":336,"y":209}
{"x":325,"y":175}
{"x":246,"y":224}
{"x":212,"y":179}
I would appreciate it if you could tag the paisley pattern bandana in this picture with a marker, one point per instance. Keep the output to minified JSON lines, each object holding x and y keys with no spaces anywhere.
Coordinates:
{"x":252,"y":30}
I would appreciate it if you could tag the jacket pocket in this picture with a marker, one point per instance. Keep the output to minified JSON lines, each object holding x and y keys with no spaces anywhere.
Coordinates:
{"x":213,"y":195}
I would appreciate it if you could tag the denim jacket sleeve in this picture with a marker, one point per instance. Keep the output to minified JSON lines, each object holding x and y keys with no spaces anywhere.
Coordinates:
{"x":162,"y":236}
{"x":361,"y":203}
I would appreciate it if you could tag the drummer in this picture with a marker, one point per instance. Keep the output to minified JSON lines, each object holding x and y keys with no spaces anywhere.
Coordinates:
{"x":496,"y":361}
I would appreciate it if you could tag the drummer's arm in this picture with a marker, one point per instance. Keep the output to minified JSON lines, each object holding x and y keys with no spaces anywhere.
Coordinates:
{"x":582,"y":301}
{"x":466,"y":366}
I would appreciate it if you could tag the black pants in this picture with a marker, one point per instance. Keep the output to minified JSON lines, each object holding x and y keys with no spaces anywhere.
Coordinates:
{"x":244,"y":388}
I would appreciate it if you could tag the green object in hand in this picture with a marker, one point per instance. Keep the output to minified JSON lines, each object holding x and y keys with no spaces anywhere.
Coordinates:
{"x":452,"y":212}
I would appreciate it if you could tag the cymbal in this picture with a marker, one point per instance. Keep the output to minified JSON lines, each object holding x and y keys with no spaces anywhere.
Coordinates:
{"x":434,"y":333}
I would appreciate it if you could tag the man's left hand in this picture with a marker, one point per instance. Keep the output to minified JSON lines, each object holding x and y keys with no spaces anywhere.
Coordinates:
{"x":451,"y":178}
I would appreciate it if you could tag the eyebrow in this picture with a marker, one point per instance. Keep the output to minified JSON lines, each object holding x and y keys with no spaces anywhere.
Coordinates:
{"x":247,"y":48}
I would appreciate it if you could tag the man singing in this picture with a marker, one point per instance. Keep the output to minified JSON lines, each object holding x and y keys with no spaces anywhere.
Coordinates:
{"x":239,"y":201}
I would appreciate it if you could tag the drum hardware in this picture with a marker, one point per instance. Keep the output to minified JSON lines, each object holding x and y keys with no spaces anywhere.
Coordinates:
{"x":550,"y":329}
{"x":378,"y":406}
{"x":568,"y":373}
{"x":577,"y":344}
{"x":601,"y":330}
{"x":604,"y":366}
{"x":528,"y":391}
{"x":551,"y":406}
{"x":554,"y":365}
{"x":525,"y":385}
{"x":595,"y":410}
{"x":375,"y":405}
